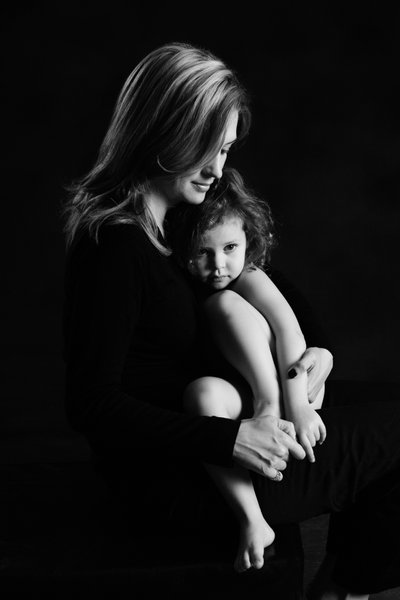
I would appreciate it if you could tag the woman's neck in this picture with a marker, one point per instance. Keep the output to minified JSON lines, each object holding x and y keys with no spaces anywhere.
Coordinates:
{"x":158,"y":207}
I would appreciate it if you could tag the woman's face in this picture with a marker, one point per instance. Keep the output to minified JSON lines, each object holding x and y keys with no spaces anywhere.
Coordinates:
{"x":221,"y":255}
{"x":192,"y":187}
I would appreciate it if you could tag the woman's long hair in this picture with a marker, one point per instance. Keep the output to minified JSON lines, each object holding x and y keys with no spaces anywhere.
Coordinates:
{"x":169,"y":119}
{"x":229,"y":198}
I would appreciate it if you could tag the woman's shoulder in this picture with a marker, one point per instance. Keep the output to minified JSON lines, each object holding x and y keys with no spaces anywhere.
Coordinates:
{"x":123,"y":234}
{"x":111,"y":238}
{"x":121,"y":246}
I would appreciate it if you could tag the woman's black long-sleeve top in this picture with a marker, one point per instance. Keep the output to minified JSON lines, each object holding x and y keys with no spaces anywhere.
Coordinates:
{"x":131,"y":346}
{"x":132,"y":330}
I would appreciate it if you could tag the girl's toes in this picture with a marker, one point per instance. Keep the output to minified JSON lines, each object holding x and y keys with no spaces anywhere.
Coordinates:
{"x":242,"y":563}
{"x":257,"y":560}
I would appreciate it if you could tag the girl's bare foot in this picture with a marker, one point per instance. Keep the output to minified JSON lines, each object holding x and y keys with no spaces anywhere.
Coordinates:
{"x":255,"y":536}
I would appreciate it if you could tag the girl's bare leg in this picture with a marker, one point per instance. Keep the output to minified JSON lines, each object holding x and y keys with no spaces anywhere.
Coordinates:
{"x":245,"y":339}
{"x":214,"y":396}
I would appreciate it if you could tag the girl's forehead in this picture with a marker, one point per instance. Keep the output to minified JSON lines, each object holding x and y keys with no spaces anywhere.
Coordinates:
{"x":229,"y":225}
{"x":229,"y":220}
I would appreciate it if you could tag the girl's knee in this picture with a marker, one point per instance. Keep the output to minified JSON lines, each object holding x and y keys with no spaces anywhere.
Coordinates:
{"x":224,"y":302}
{"x":227,"y":306}
{"x":200,"y":396}
{"x":210,"y":396}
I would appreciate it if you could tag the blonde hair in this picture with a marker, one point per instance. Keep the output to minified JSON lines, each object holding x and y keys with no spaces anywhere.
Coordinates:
{"x":169,"y":119}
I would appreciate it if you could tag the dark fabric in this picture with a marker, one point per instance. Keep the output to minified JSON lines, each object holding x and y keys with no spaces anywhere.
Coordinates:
{"x":355,"y":478}
{"x":134,"y":337}
{"x":131,"y":346}
{"x":132,"y":334}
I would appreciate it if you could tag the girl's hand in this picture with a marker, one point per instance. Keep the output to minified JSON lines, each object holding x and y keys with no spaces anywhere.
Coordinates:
{"x":309,"y":427}
{"x":317,"y":363}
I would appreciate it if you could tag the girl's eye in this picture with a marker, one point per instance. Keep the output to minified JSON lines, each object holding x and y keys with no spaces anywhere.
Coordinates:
{"x":202,"y":252}
{"x":230,"y":247}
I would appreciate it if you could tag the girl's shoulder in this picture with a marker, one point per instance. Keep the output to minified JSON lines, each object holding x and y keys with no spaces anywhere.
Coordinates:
{"x":251,"y":276}
{"x":255,"y":286}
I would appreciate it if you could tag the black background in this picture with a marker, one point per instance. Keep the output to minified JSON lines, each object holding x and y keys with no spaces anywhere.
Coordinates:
{"x":324,"y":149}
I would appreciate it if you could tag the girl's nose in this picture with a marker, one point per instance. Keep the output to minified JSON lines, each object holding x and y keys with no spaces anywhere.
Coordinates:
{"x":219,"y":262}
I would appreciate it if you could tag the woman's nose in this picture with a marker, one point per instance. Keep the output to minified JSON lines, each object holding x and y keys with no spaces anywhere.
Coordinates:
{"x":214,"y":167}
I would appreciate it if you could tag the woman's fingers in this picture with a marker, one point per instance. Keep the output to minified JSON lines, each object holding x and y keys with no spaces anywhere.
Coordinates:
{"x":304,"y":365}
{"x":274,"y":468}
{"x":275,"y":475}
{"x":317,"y":362}
{"x":287,"y":427}
{"x":263,"y":444}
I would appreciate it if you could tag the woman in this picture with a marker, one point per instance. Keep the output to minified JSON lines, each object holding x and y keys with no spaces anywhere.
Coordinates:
{"x":132,"y":323}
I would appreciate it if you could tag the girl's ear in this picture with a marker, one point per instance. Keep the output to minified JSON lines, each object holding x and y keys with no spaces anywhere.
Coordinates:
{"x":190,"y":266}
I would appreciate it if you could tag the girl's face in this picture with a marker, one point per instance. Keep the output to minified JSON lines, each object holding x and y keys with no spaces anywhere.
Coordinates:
{"x":192,"y":187}
{"x":221,"y":255}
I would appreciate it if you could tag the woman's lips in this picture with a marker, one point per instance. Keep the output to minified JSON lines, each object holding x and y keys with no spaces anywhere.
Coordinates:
{"x":203,"y":187}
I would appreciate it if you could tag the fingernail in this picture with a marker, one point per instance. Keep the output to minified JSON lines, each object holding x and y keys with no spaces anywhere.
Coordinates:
{"x":292,"y":373}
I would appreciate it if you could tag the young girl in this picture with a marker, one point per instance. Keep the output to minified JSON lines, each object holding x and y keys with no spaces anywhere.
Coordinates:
{"x":225,"y":242}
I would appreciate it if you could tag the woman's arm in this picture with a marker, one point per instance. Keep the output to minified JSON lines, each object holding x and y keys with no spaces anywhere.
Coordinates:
{"x":105,"y":291}
{"x":258,"y":289}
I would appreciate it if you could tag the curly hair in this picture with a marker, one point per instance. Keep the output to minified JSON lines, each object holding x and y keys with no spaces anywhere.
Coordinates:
{"x":230,"y":197}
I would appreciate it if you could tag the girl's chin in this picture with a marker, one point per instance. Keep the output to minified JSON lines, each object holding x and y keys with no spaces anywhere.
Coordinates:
{"x":218,"y":285}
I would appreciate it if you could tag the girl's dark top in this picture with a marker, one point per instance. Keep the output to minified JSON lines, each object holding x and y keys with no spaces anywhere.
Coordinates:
{"x":133,"y":340}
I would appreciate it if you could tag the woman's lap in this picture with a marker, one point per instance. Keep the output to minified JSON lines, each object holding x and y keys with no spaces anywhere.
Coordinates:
{"x":356,"y":478}
{"x":362,"y":446}
{"x":356,"y":472}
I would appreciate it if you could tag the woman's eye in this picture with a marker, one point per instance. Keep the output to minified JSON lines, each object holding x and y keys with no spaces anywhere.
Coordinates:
{"x":226,"y":151}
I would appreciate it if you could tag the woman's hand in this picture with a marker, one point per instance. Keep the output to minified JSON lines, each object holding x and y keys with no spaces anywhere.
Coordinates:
{"x":318,"y":363}
{"x":309,"y":427}
{"x":263,"y":445}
